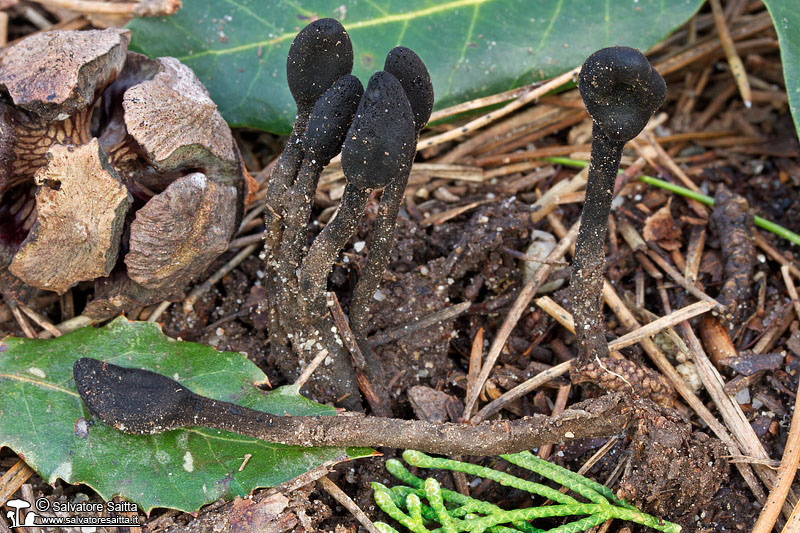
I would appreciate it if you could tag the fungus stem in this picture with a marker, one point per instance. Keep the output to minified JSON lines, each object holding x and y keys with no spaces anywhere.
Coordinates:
{"x":299,"y":201}
{"x":326,"y":247}
{"x":589,"y":261}
{"x":380,"y":251}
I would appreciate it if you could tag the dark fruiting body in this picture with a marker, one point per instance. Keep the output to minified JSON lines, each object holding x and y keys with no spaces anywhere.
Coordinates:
{"x":412,"y":74}
{"x":621,"y":91}
{"x":319,"y":55}
{"x":142,"y":402}
{"x":322,"y":140}
{"x":376,"y":151}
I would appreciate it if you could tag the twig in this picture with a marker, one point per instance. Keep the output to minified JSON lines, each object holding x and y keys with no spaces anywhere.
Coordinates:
{"x":561,"y":315}
{"x":40,"y":319}
{"x":13,"y":479}
{"x":448,"y":214}
{"x":490,"y":117}
{"x":793,"y":522}
{"x":143,"y":8}
{"x":72,"y":324}
{"x":200,"y":290}
{"x":158,"y":311}
{"x":734,"y":61}
{"x":347,"y":502}
{"x":344,"y":330}
{"x":20,"y":318}
{"x":522,"y":389}
{"x":680,"y":280}
{"x":392,"y":334}
{"x":786,"y":474}
{"x":307,"y":371}
{"x":521,"y":303}
{"x":535,"y":259}
{"x":660,"y":324}
{"x":479,"y":103}
{"x":475,"y":357}
{"x":558,"y":408}
{"x":791,"y":289}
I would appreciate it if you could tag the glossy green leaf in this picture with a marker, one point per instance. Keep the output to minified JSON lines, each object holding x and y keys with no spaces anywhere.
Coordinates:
{"x":42,"y":419}
{"x":472,"y":47}
{"x":786,"y":19}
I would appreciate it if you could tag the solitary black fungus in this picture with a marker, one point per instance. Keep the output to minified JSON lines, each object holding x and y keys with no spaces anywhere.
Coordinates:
{"x":410,"y":71}
{"x":381,"y":139}
{"x":621,"y":90}
{"x":131,"y":399}
{"x":319,"y":55}
{"x":330,"y":119}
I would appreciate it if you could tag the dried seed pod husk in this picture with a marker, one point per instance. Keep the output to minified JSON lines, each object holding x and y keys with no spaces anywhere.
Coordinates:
{"x":79,"y":65}
{"x":81,"y":206}
{"x":118,"y":294}
{"x":177,"y":235}
{"x":155,"y":122}
{"x":52,"y":79}
{"x":174,"y":120}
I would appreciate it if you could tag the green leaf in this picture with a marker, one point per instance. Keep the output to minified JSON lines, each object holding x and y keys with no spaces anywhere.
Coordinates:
{"x":472,"y":47}
{"x":786,"y":19}
{"x":41,"y":416}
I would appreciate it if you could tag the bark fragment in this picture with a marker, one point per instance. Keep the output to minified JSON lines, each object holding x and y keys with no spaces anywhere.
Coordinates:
{"x":174,"y":120}
{"x":179,"y":232}
{"x":78,"y":66}
{"x":81,"y":207}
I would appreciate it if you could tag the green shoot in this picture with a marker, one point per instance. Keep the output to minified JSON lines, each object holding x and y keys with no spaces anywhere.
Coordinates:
{"x":454,"y":512}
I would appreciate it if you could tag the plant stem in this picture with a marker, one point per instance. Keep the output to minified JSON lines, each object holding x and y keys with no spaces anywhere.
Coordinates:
{"x":588,"y":263}
{"x":422,"y":460}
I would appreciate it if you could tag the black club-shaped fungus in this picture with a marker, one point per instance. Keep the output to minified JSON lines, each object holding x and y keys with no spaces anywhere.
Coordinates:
{"x":621,"y":91}
{"x":319,"y":55}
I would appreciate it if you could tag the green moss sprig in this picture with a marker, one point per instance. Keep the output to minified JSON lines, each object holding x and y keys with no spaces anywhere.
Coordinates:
{"x":455,"y":512}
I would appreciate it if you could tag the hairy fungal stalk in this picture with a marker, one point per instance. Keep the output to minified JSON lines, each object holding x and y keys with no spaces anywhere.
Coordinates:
{"x":412,"y":74}
{"x":376,"y":152}
{"x":322,"y":140}
{"x":621,"y":91}
{"x":142,"y":402}
{"x":319,"y":55}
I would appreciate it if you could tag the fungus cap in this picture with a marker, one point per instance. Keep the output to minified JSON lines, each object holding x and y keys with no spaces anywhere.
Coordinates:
{"x":381,"y":139}
{"x":621,"y":91}
{"x":319,"y":55}
{"x":411,"y":72}
{"x":331,"y":117}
